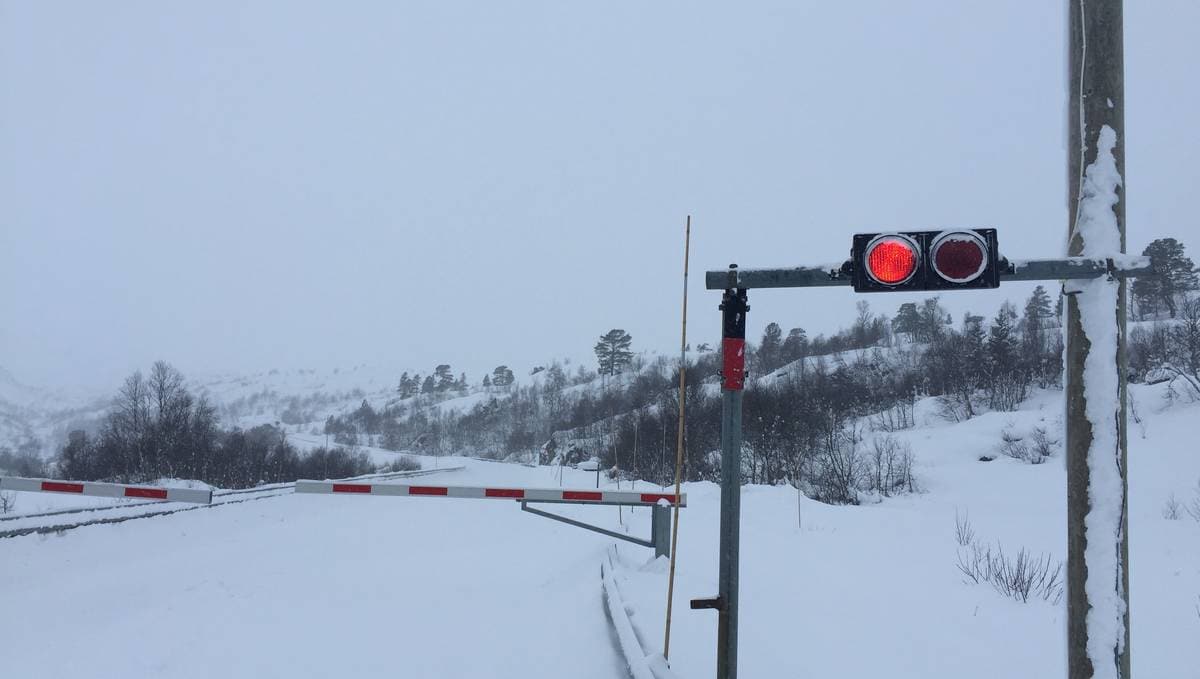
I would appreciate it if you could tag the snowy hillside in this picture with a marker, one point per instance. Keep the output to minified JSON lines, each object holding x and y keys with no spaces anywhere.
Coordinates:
{"x":299,"y":399}
{"x":477,"y":588}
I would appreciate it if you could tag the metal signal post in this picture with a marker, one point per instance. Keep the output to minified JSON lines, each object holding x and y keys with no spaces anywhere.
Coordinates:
{"x":733,"y":378}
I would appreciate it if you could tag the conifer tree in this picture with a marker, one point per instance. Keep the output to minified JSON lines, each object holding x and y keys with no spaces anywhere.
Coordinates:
{"x":444,"y":377}
{"x":770,"y":350}
{"x":795,"y":346}
{"x":1175,"y":275}
{"x":612,"y":351}
{"x":907,"y":321}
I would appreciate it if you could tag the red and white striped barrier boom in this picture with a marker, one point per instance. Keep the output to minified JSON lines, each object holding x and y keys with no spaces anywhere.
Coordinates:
{"x":114,"y":490}
{"x":592,"y":497}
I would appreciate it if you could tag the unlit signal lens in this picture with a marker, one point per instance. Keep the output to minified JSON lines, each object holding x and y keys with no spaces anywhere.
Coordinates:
{"x":959,"y":256}
{"x":892,"y":260}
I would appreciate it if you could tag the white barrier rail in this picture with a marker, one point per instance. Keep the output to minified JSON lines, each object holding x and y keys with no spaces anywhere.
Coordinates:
{"x":594,"y":497}
{"x":110,"y":490}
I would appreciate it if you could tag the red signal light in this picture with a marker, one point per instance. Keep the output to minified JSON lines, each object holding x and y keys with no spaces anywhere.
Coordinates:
{"x":959,"y":256}
{"x":891,"y":259}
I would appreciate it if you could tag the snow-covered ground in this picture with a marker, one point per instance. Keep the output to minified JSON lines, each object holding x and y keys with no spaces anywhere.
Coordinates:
{"x":314,"y":586}
{"x":874,"y":591}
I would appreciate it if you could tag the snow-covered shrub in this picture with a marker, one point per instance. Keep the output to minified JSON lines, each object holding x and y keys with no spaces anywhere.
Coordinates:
{"x":898,"y":417}
{"x":890,"y":467}
{"x":1021,"y":577}
{"x":7,"y":501}
{"x":403,"y":463}
{"x":1171,"y":511}
{"x":1034,"y":448}
{"x":956,"y":407}
{"x":841,"y":468}
{"x":964,"y":532}
{"x":1014,"y":446}
{"x":1008,"y":390}
{"x":1043,"y":444}
{"x":1193,"y":508}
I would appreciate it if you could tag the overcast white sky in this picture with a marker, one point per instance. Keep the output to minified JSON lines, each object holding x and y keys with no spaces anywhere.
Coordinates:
{"x":242,"y":186}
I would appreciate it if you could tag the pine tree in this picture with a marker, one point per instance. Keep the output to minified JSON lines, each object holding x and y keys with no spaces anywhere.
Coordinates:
{"x":612,"y":351}
{"x":428,"y":386}
{"x":770,"y":350}
{"x":795,"y":346}
{"x":444,"y":377}
{"x":907,"y":321}
{"x":487,"y":381}
{"x":974,"y":352}
{"x":1001,"y":345}
{"x":933,"y":321}
{"x":1033,"y":324}
{"x":502,"y":376}
{"x":408,"y":385}
{"x":1175,"y":275}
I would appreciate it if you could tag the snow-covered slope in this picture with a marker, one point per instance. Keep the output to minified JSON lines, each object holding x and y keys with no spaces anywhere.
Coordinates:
{"x":33,"y":419}
{"x":320,"y":585}
{"x":874,"y":591}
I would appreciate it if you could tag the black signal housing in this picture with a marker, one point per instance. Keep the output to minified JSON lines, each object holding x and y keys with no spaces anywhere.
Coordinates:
{"x":926,"y":277}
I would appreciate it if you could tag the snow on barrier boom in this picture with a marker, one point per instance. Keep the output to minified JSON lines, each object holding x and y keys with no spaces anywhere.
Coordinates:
{"x":597,"y":497}
{"x":112,"y":490}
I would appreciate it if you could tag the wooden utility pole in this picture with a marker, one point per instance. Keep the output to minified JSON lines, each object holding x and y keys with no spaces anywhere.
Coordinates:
{"x":1098,"y":611}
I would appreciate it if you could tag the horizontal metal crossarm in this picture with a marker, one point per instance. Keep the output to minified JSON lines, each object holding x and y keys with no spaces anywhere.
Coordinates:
{"x":596,"y":529}
{"x":1067,"y":268}
{"x":113,"y":490}
{"x":585,"y":497}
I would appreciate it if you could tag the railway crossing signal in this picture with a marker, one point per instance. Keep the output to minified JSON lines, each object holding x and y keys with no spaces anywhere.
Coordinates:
{"x":924,"y":260}
{"x":880,"y":262}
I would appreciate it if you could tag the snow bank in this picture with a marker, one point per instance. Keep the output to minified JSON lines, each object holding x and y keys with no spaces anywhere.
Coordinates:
{"x":642,"y":665}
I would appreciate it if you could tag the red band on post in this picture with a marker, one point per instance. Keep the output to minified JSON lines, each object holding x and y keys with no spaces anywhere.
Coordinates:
{"x":733,"y":352}
{"x":351,"y":488}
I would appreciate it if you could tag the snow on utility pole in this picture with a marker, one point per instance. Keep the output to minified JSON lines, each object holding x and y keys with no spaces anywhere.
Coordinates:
{"x":1097,"y":516}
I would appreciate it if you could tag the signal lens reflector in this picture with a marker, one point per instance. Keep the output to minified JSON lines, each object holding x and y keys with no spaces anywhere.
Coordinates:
{"x":959,"y":256}
{"x":892,"y":260}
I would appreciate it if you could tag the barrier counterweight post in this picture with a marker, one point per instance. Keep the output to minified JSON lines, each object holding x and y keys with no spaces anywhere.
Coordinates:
{"x":660,"y":530}
{"x":733,"y":350}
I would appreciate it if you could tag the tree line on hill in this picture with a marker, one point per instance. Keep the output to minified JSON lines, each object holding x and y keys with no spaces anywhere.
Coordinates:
{"x":806,"y":402}
{"x":156,"y":429}
{"x":818,"y":410}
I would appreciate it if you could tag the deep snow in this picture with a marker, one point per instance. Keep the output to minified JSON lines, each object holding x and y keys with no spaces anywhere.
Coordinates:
{"x":311,"y":585}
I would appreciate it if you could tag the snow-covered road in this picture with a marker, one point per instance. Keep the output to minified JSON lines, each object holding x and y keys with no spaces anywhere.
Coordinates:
{"x":313,"y":586}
